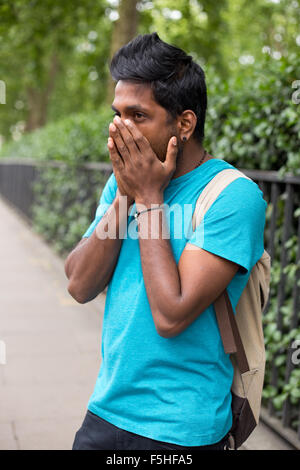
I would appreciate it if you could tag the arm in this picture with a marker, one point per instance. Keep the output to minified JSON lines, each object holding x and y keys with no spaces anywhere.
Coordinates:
{"x":177,"y":295}
{"x":234,"y":228}
{"x":90,"y":265}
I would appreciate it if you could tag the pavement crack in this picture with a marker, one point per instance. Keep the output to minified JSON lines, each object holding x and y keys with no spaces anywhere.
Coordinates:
{"x":14,"y":431}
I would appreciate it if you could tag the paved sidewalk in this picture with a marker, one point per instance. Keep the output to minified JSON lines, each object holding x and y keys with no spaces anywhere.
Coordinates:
{"x":52,"y":344}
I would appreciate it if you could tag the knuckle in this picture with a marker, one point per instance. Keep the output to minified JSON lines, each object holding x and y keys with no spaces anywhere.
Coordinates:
{"x":139,"y":139}
{"x":128,"y":140}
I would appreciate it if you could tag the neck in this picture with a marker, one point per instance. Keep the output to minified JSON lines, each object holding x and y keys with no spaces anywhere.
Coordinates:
{"x":189,"y":156}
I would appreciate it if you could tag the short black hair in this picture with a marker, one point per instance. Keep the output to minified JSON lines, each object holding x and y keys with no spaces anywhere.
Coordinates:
{"x":177,"y":82}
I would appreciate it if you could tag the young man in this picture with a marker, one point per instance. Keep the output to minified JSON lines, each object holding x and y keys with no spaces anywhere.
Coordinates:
{"x":164,"y":380}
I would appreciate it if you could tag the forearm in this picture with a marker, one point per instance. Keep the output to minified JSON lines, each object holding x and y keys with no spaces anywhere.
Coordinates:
{"x":160,"y":271}
{"x":90,"y":266}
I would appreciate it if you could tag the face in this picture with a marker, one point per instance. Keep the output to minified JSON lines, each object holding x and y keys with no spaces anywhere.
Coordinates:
{"x":135,"y":101}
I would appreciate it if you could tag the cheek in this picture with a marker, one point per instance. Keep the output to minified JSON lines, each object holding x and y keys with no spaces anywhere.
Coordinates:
{"x":157,"y":141}
{"x":160,"y":148}
{"x":158,"y":136}
{"x":160,"y":141}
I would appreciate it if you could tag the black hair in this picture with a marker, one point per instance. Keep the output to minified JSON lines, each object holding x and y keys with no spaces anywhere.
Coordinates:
{"x":177,"y":82}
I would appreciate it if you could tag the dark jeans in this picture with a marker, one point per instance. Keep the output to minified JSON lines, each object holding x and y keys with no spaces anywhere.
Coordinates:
{"x":98,"y":434}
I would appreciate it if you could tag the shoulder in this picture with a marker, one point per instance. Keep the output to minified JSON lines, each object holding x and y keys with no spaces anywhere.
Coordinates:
{"x":242,"y":194}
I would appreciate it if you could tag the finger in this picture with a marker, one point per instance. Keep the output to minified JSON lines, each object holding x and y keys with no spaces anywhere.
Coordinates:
{"x":127,"y":137}
{"x":116,"y":159}
{"x":141,"y":142}
{"x":112,"y":136}
{"x":119,"y":142}
{"x":172,"y":150}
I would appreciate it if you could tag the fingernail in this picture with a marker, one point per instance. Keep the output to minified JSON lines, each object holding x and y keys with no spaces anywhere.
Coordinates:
{"x":127,"y":122}
{"x":112,"y":127}
{"x":117,"y":119}
{"x":174,"y":141}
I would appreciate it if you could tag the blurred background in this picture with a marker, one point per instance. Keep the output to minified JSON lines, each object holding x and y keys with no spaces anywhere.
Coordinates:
{"x":55,"y":97}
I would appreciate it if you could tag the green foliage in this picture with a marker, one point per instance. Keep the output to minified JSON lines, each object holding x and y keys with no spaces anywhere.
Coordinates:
{"x":196,"y":26}
{"x":252,"y":119}
{"x":279,"y":334}
{"x":53,"y":59}
{"x":65,"y":197}
{"x":76,"y":35}
{"x":65,"y":202}
{"x":257,"y":28}
{"x":279,"y":355}
{"x":74,"y":139}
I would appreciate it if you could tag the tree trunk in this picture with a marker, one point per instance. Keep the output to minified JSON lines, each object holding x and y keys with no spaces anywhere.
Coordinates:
{"x":38,"y":99}
{"x":125,"y":29}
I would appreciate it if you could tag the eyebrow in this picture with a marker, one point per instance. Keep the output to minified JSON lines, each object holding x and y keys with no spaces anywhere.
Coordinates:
{"x":135,"y":107}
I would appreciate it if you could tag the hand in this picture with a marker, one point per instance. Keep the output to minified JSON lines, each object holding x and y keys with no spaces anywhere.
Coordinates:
{"x":121,"y":191}
{"x":141,"y":174}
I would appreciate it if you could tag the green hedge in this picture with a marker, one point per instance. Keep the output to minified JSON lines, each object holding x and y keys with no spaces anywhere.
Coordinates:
{"x":65,"y":202}
{"x":278,"y":341}
{"x":74,"y":139}
{"x":252,"y":120}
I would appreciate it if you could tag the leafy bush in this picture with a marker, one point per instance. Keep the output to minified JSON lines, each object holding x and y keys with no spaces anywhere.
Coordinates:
{"x":279,"y":386}
{"x":75,"y":139}
{"x":252,"y":120}
{"x":66,"y":198}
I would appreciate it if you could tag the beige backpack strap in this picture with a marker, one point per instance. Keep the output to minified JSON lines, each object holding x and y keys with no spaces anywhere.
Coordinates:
{"x":231,"y":338}
{"x":212,"y":191}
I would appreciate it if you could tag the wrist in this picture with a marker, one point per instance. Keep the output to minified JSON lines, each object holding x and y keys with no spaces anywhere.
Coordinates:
{"x":128,"y":200}
{"x":148,"y":200}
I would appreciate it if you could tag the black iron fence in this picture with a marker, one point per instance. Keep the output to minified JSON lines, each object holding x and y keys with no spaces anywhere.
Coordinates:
{"x":282,"y":241}
{"x":18,"y":175}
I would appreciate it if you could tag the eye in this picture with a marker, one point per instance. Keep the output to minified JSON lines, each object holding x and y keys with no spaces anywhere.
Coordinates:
{"x":139,"y":116}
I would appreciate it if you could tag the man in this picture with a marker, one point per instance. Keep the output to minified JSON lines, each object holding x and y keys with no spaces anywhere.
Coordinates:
{"x":164,"y":380}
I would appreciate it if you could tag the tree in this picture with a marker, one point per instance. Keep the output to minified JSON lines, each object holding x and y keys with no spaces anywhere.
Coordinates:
{"x":125,"y":29}
{"x":54,"y":55}
{"x":37,"y":40}
{"x":196,"y":26}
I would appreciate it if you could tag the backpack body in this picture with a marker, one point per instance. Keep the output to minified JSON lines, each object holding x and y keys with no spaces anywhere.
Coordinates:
{"x":242,"y":332}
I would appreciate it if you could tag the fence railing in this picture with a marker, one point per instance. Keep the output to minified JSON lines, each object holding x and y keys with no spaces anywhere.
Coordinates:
{"x":283,"y":197}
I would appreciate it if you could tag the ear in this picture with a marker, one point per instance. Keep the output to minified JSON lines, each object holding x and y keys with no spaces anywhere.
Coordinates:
{"x":186,"y":123}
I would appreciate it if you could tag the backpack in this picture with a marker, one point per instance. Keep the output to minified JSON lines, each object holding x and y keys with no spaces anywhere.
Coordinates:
{"x":242,"y":332}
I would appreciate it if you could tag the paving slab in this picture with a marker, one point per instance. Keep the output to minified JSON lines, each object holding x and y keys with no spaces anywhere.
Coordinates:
{"x":263,"y":438}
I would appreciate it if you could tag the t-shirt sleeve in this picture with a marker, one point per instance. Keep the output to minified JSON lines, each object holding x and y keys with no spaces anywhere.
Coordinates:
{"x":106,"y":199}
{"x":233,"y":227}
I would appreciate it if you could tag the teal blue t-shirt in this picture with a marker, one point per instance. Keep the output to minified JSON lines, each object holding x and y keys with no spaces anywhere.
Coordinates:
{"x":175,"y":389}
